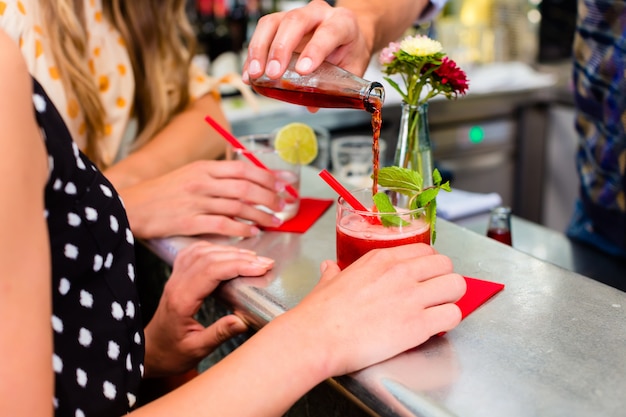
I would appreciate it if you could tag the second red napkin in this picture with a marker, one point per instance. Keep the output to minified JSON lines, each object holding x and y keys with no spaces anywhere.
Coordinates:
{"x":310,"y":210}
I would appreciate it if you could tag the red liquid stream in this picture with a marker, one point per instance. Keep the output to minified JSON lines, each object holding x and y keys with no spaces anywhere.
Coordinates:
{"x":377,"y":122}
{"x":350,"y":248}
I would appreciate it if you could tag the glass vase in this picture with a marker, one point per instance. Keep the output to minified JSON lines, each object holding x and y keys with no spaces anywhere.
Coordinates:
{"x":413,"y":149}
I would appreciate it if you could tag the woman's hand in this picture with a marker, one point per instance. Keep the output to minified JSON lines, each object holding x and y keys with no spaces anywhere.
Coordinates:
{"x":385,"y":303}
{"x":175,"y":341}
{"x":203,"y":197}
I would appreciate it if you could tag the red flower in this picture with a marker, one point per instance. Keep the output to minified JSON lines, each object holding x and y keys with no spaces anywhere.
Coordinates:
{"x":451,"y":74}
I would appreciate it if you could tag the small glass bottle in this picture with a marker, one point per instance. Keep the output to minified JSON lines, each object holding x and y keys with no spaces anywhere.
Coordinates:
{"x":329,"y":86}
{"x":499,"y":227}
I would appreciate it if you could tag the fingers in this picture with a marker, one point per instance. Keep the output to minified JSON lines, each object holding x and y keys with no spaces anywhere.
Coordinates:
{"x":396,"y":255}
{"x":221,"y":262}
{"x":241,"y":181}
{"x":441,"y":289}
{"x":316,"y":29}
{"x":330,"y":41}
{"x":329,"y":270}
{"x":240,"y":170}
{"x":218,"y":332}
{"x":238,"y":191}
{"x":199,"y":268}
{"x":441,"y":318}
{"x":259,"y":45}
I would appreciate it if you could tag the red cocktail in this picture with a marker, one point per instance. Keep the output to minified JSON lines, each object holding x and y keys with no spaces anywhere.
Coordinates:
{"x":359,"y":232}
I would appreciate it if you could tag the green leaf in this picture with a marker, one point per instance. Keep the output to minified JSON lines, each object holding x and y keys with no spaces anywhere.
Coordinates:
{"x":397,"y":177}
{"x":436,"y":177}
{"x":426,"y":196}
{"x":383,"y":205}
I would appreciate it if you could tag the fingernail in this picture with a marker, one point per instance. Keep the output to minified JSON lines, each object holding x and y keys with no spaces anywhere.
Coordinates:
{"x":304,"y":65}
{"x":251,"y":252}
{"x":254,"y":231}
{"x":324,"y":267}
{"x":282,"y":204}
{"x":254,"y":68}
{"x":262,"y":260}
{"x":237,"y":327}
{"x":279,"y":186}
{"x":276,"y":221}
{"x":273,"y":68}
{"x":245,"y":77}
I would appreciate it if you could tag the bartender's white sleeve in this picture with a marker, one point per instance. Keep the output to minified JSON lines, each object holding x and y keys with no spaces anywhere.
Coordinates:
{"x":431,"y":11}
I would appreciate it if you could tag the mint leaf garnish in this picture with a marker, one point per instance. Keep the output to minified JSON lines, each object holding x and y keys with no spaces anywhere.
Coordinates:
{"x":396,"y":177}
{"x":410,"y":183}
{"x":383,"y":205}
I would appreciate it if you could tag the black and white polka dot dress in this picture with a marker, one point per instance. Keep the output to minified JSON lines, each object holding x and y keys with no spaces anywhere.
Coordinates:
{"x":98,"y":336}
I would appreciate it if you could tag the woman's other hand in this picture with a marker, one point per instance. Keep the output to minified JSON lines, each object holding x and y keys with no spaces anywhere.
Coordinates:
{"x":203,"y":197}
{"x":175,"y":340}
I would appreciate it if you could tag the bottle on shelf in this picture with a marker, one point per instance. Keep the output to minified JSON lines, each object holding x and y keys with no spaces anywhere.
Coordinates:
{"x":499,"y":227}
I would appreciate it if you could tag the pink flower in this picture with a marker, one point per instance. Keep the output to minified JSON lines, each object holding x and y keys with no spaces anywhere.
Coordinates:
{"x":387,"y":55}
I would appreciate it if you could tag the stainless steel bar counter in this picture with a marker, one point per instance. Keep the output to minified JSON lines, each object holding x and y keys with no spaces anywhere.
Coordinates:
{"x":552,"y":343}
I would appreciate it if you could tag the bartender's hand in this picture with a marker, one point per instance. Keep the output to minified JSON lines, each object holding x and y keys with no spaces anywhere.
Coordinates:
{"x":203,"y":197}
{"x":388,"y":301}
{"x":318,"y":31}
{"x":175,"y":341}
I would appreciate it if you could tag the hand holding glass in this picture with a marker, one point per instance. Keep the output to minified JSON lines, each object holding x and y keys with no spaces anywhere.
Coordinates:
{"x":261,"y":148}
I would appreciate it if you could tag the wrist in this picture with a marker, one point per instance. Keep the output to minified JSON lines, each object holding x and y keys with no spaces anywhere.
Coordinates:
{"x":152,"y":357}
{"x":303,"y":341}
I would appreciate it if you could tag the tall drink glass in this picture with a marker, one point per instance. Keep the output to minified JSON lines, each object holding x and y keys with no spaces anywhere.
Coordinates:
{"x":262,"y":148}
{"x":358,"y":232}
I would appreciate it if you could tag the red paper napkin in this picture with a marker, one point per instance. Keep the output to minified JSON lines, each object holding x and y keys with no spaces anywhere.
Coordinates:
{"x":478,"y":292}
{"x":310,"y":210}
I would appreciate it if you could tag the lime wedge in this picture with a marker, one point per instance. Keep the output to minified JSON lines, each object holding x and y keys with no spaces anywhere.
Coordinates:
{"x":296,"y":143}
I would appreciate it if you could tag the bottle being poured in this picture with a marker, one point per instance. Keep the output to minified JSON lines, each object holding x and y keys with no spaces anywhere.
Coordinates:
{"x":329,"y":86}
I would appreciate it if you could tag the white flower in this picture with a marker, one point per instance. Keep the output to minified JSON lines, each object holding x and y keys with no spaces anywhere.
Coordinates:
{"x":420,"y":45}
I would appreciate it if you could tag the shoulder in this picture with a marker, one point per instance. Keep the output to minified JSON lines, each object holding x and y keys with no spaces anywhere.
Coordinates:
{"x":17,"y":17}
{"x":13,"y":71}
{"x":20,"y":142}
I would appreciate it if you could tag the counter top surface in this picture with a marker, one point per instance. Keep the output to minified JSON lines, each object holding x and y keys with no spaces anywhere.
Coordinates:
{"x":550,"y":344}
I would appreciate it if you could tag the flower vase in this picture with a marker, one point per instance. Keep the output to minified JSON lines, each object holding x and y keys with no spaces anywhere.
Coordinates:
{"x":413,"y":149}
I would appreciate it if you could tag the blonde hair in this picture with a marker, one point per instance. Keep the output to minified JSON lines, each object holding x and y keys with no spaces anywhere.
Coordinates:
{"x":160,"y":41}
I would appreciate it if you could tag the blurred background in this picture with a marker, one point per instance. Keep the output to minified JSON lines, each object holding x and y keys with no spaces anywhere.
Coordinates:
{"x":512,"y":134}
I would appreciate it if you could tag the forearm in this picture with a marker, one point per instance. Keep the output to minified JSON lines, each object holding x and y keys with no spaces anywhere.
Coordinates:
{"x":185,"y":139}
{"x":381,"y":24}
{"x":263,"y":377}
{"x":26,"y":376}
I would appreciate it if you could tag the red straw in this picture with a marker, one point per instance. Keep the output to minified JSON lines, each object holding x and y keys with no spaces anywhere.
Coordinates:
{"x":349,"y":198}
{"x":341,"y":190}
{"x":238,"y":145}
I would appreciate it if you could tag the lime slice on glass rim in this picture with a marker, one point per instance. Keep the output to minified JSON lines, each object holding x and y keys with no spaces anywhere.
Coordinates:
{"x":296,"y":143}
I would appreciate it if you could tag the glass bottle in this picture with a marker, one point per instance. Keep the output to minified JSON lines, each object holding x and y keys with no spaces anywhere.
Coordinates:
{"x":499,"y":227}
{"x":413,"y":149}
{"x":327,"y":87}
